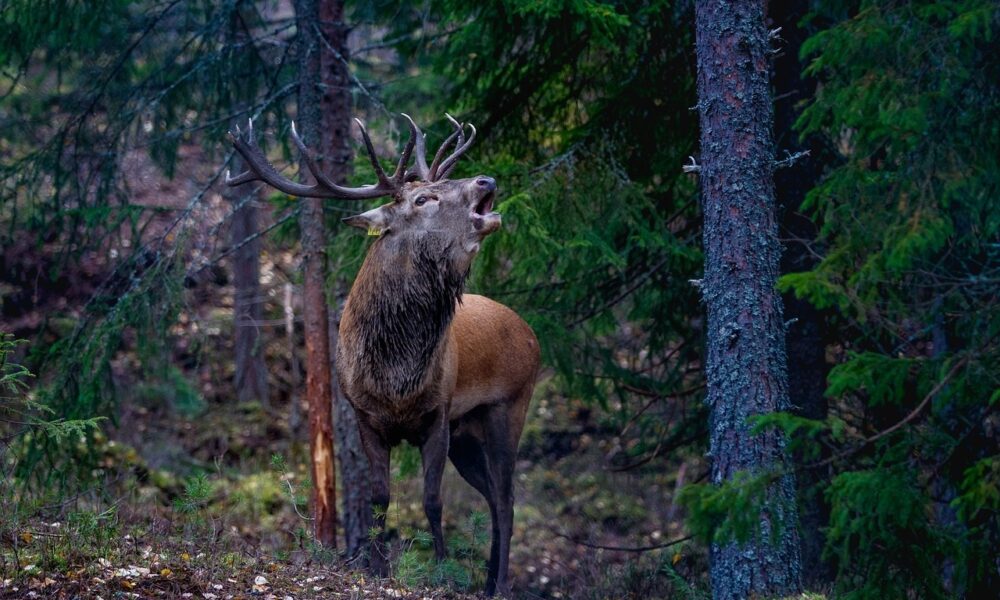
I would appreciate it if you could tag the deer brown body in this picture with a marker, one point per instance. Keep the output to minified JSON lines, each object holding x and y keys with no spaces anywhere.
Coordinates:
{"x":418,"y":359}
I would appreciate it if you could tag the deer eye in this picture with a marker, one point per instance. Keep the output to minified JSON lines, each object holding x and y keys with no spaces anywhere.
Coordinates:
{"x":421,"y":200}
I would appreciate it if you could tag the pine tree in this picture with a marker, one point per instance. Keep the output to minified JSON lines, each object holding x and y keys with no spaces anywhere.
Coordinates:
{"x":745,"y":366}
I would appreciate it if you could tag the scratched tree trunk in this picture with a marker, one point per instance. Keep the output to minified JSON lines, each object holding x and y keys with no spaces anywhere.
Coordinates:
{"x":314,"y":305}
{"x":807,"y":367}
{"x":335,"y":148}
{"x":745,"y":368}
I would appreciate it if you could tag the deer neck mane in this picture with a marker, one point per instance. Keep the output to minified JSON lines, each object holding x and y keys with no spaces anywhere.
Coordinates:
{"x":404,"y":297}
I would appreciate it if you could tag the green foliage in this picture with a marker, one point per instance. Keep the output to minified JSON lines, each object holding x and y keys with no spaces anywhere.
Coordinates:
{"x":464,"y":569}
{"x":910,"y":241}
{"x":980,"y":491}
{"x":806,"y":437}
{"x":731,"y":511}
{"x":197,"y":493}
{"x":407,"y":461}
{"x":83,"y":387}
{"x":882,"y":378}
{"x":885,"y":509}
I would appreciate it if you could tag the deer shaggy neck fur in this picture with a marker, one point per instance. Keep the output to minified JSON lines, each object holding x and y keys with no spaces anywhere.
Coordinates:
{"x":400,"y":306}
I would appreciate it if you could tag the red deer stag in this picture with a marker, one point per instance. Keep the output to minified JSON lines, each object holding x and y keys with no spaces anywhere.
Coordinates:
{"x":451,"y":373}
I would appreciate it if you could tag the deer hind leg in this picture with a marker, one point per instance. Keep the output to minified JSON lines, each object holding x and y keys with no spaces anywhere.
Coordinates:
{"x":433,"y":453}
{"x":377,"y":450}
{"x":467,"y":452}
{"x":501,"y":453}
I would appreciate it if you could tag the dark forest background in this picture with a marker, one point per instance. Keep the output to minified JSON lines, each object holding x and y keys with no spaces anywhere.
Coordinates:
{"x":152,"y":356}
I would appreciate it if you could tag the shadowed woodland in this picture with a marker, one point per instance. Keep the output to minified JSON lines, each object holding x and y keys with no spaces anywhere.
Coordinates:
{"x":757,"y":244}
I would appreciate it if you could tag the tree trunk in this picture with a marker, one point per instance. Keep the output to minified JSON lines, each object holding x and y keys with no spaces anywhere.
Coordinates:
{"x":355,"y":478}
{"x":314,"y":305}
{"x":807,"y":367}
{"x":335,"y":149}
{"x":745,"y":368}
{"x":251,"y":372}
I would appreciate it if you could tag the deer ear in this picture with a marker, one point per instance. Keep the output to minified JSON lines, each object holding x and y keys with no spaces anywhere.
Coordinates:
{"x":376,"y":220}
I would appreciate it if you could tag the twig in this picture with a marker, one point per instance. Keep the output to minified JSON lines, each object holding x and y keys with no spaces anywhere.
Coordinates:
{"x":619,"y":548}
{"x":694,"y":167}
{"x":347,"y":66}
{"x":245,"y":241}
{"x":291,"y":495}
{"x":913,"y":415}
{"x":790,"y":159}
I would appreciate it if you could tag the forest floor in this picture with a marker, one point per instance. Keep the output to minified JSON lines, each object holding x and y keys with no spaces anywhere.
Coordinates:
{"x":211,"y":502}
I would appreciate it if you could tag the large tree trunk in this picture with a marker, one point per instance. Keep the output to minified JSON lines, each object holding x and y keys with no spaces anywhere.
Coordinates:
{"x":745,"y":368}
{"x":807,"y":367}
{"x":314,"y":305}
{"x":336,"y":153}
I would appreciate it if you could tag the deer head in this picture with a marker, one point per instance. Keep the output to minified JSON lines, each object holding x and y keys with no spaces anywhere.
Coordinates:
{"x":426,"y":206}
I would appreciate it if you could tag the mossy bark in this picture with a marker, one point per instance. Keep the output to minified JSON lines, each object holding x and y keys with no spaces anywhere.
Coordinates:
{"x":745,"y":367}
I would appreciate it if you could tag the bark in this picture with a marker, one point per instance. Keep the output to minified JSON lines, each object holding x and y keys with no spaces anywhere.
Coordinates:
{"x":251,"y":371}
{"x":314,"y":305}
{"x":745,"y":367}
{"x":336,"y":153}
{"x":355,"y":476}
{"x":804,"y":340}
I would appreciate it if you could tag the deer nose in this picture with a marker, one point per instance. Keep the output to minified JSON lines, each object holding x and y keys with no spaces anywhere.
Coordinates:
{"x":487,"y":183}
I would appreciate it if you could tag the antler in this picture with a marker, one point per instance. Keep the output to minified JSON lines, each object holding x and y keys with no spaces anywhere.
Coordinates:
{"x":439,"y":169}
{"x":262,"y":170}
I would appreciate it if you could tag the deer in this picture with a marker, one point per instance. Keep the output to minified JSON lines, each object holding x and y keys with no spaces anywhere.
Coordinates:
{"x":419,"y":359}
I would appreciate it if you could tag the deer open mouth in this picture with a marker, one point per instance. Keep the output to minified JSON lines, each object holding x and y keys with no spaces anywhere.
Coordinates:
{"x":485,"y":204}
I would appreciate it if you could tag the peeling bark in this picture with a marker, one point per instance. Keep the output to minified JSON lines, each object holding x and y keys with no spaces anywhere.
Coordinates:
{"x":745,"y":367}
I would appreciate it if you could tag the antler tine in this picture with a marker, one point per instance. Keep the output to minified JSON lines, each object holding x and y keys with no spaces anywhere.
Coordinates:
{"x":399,"y":176}
{"x":421,"y":149}
{"x":382,"y":178}
{"x":432,"y":172}
{"x":445,"y":169}
{"x":262,"y":170}
{"x":310,"y":160}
